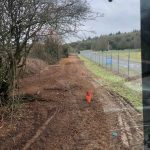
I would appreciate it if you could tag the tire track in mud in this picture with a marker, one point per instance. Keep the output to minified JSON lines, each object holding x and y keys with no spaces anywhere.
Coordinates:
{"x":123,"y":118}
{"x":78,"y":126}
{"x":39,"y":131}
{"x":88,"y":122}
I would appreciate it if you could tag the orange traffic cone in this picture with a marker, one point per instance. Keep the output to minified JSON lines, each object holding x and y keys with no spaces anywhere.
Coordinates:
{"x":89,"y":96}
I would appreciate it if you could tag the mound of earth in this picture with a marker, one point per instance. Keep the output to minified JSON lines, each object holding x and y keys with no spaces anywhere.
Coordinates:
{"x":34,"y":66}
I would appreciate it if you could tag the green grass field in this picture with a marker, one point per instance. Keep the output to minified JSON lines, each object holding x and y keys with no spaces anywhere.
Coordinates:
{"x":135,"y":55}
{"x":114,"y":82}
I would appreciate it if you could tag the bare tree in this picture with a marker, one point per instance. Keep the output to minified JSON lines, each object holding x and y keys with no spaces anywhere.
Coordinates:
{"x":22,"y":20}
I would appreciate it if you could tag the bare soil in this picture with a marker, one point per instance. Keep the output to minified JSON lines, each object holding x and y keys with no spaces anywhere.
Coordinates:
{"x":55,"y":115}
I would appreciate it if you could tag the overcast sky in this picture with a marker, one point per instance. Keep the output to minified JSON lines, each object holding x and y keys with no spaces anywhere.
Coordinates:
{"x":119,"y":15}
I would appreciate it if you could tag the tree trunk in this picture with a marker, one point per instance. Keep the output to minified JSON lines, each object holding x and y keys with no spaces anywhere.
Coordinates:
{"x":7,"y":84}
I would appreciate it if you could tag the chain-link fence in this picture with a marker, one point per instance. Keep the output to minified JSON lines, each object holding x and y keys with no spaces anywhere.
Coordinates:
{"x":123,"y":62}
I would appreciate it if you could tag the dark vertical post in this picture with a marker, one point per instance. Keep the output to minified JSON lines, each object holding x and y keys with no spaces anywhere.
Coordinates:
{"x":118,"y":61}
{"x":129,"y":64}
{"x":102,"y":58}
{"x":106,"y":60}
{"x":111,"y":61}
{"x":99,"y":58}
{"x":145,"y":46}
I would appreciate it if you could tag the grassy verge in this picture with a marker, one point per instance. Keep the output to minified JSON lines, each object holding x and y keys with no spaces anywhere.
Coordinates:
{"x":116,"y":83}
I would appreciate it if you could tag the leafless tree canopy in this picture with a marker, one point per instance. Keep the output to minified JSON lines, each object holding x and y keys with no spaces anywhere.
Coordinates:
{"x":22,"y":20}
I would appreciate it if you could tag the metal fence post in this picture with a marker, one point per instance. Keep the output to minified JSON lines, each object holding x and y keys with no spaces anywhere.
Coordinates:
{"x":96,"y":57}
{"x":111,"y":59}
{"x":99,"y":58}
{"x":129,"y":64}
{"x":118,"y":61}
{"x":106,"y":59}
{"x":102,"y":58}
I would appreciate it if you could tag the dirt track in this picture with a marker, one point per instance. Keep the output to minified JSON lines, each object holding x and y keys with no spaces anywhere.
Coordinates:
{"x":58,"y":118}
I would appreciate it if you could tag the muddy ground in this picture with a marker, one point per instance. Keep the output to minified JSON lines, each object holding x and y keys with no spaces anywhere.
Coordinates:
{"x":55,"y":115}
